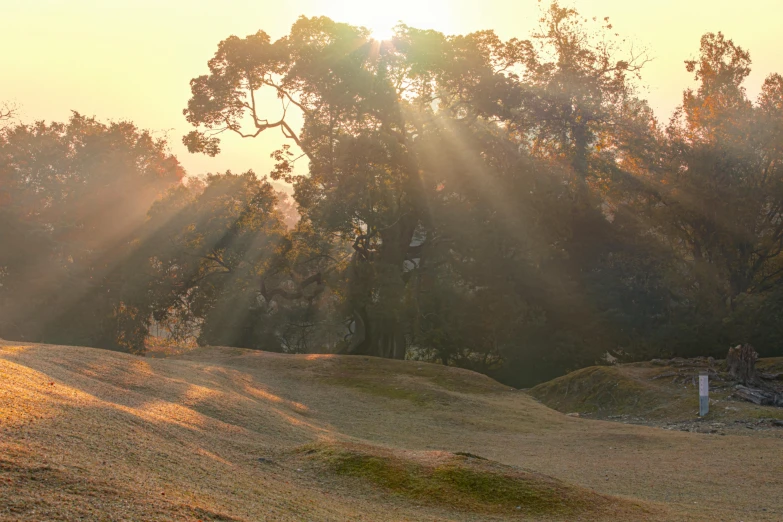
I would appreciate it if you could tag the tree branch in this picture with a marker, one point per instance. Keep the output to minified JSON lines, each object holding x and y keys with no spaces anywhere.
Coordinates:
{"x":316,"y":278}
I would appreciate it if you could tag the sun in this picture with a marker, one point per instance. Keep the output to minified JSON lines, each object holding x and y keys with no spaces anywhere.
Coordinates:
{"x":382,"y":16}
{"x":381,"y":23}
{"x":381,"y":32}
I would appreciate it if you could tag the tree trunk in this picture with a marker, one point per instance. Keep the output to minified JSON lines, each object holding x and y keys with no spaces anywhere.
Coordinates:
{"x":382,"y":336}
{"x":579,"y":163}
{"x":741,"y":363}
{"x":379,"y":337}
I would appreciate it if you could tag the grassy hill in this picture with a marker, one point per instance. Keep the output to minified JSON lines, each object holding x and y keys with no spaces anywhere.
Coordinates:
{"x":658,"y":393}
{"x":230,"y":434}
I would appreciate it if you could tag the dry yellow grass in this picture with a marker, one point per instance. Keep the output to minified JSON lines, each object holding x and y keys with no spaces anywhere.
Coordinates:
{"x":230,"y":434}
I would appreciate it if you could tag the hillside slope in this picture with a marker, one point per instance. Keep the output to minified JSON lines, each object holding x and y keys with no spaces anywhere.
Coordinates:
{"x":662,"y":393}
{"x":230,"y":434}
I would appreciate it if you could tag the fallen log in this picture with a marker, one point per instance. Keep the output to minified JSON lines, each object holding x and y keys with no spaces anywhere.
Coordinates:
{"x":756,"y":396}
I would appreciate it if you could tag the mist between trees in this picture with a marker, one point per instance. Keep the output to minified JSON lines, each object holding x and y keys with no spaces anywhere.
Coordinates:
{"x":512,"y":207}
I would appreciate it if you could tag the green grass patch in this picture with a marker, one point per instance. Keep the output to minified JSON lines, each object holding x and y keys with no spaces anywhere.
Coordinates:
{"x":462,"y":482}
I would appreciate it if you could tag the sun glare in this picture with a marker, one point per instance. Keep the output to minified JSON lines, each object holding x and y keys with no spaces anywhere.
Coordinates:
{"x":381,"y":17}
{"x":381,"y":24}
{"x":381,"y":33}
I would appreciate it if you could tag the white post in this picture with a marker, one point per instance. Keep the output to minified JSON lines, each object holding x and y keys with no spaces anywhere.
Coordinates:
{"x":704,"y":393}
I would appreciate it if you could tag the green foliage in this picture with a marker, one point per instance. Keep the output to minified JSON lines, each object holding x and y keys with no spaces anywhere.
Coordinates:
{"x":508,"y":206}
{"x":204,"y":254}
{"x":513,"y":206}
{"x":74,"y":196}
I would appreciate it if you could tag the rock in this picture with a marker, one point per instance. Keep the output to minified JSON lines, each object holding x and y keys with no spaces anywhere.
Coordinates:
{"x":754,"y":395}
{"x":572,"y":415}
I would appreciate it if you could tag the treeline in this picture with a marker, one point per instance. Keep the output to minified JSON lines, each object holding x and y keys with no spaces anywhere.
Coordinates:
{"x":512,"y":207}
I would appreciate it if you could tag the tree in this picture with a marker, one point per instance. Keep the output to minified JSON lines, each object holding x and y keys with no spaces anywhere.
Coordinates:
{"x":512,"y":207}
{"x":210,"y":254}
{"x":723,"y":188}
{"x":203,"y":253}
{"x":578,"y":91}
{"x":77,"y":194}
{"x":365,"y":106}
{"x":704,"y":195}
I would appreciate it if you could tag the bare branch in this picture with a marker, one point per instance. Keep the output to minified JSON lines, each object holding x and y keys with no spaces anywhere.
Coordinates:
{"x":8,"y":113}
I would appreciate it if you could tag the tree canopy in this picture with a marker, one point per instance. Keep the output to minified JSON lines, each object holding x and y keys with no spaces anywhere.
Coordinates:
{"x":510,"y":206}
{"x":75,"y":196}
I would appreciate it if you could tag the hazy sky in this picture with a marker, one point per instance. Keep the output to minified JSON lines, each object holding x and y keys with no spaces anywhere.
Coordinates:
{"x":133,"y":59}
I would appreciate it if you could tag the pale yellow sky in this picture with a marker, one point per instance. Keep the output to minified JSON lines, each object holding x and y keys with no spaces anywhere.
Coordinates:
{"x":133,"y":59}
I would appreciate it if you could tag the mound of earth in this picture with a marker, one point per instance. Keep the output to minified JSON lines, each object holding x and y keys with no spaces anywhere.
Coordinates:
{"x":460,"y":481}
{"x":606,"y":391}
{"x":662,"y":393}
{"x":230,"y":434}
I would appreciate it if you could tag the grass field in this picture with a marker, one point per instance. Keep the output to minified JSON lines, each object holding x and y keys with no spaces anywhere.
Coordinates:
{"x":231,"y":434}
